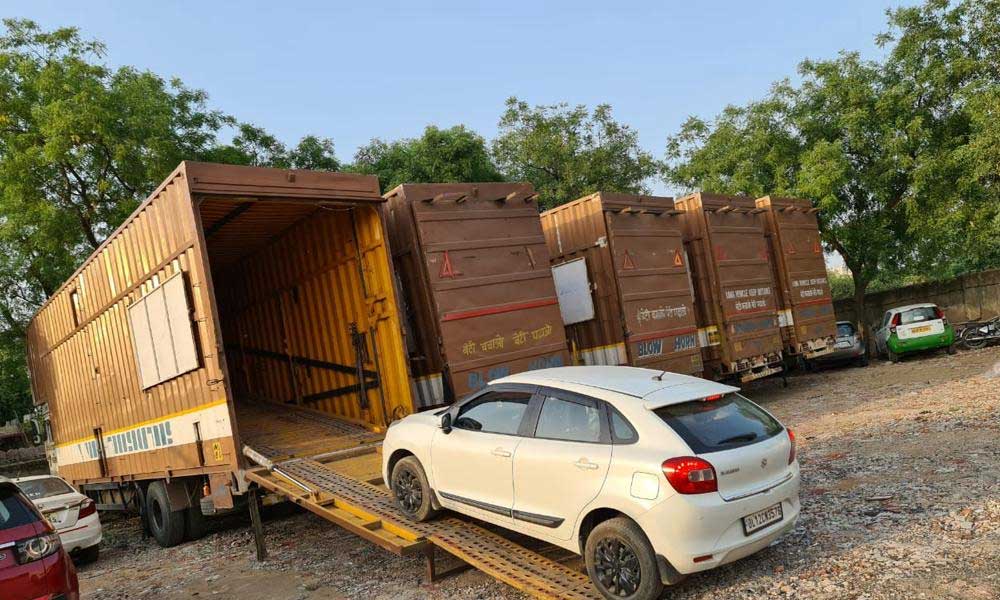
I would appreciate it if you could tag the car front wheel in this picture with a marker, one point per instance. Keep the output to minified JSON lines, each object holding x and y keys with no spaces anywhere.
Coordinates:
{"x":621,"y":561}
{"x":411,"y":490}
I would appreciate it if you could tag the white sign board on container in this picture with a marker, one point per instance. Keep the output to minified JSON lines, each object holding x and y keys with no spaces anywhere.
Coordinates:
{"x":573,"y":290}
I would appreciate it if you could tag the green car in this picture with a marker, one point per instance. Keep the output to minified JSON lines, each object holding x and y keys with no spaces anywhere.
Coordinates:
{"x":913,"y":328}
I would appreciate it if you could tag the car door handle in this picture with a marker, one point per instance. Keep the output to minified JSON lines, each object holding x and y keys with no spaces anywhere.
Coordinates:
{"x":583,"y":463}
{"x":501,"y":453}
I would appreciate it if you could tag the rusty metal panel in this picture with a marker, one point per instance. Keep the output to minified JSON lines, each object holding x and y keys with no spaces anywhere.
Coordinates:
{"x":644,"y":305}
{"x":808,"y":324}
{"x":80,"y":348}
{"x":474,"y":274}
{"x":734,"y":287}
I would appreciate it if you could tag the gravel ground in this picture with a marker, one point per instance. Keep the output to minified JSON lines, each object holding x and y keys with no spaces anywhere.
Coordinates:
{"x":900,"y":498}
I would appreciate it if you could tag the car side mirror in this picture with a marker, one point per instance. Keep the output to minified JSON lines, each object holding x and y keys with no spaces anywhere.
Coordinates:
{"x":446,"y":423}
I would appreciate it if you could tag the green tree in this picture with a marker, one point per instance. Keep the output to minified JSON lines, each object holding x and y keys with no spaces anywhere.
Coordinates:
{"x":899,"y":154}
{"x":81,"y":144}
{"x":570,"y":152}
{"x":455,"y":154}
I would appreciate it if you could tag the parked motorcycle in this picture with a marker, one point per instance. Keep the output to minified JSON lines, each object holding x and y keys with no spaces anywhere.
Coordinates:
{"x":978,"y":334}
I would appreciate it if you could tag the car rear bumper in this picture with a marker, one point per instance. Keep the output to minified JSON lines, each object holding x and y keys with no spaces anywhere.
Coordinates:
{"x":683,"y":528}
{"x":924,"y":342}
{"x":855,"y":351}
{"x":86,"y":533}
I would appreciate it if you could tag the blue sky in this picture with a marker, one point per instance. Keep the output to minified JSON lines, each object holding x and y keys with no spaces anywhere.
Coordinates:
{"x":354,"y":71}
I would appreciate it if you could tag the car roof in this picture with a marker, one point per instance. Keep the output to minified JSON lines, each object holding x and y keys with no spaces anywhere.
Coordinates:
{"x":900,"y":309}
{"x":656,"y":388}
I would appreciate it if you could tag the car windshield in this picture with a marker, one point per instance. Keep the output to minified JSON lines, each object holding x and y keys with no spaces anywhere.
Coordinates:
{"x":714,"y":425}
{"x":916,"y":315}
{"x":36,"y":489}
{"x":14,"y":511}
{"x":845,"y":329}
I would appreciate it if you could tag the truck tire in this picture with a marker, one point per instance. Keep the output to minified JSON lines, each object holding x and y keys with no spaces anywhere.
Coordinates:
{"x":166,"y":526}
{"x":412,"y":491}
{"x":621,"y":562}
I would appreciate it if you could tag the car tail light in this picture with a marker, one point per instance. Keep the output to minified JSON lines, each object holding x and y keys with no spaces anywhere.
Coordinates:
{"x":791,"y":452}
{"x":940,"y":314}
{"x":690,"y":475}
{"x":87,"y":508}
{"x":896,"y":319}
{"x":37,"y":548}
{"x":713,"y":398}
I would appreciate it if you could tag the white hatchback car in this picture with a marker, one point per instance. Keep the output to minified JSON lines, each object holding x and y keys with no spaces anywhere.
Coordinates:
{"x":73,"y":514}
{"x":649,"y":475}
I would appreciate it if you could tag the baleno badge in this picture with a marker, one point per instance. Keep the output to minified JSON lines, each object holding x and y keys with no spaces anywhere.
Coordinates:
{"x":763,"y":463}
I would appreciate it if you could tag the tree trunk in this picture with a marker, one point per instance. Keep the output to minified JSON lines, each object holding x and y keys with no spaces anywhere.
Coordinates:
{"x":860,"y":288}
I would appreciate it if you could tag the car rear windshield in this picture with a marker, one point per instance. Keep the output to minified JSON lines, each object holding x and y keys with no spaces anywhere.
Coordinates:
{"x":14,"y":509}
{"x":915,"y":315}
{"x":36,"y":489}
{"x":715,"y":425}
{"x":845,"y":329}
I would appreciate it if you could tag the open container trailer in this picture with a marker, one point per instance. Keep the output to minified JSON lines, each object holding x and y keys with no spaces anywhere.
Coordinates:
{"x":477,"y":291}
{"x":625,"y":292}
{"x":805,"y":313}
{"x":736,"y":302}
{"x":228,"y":292}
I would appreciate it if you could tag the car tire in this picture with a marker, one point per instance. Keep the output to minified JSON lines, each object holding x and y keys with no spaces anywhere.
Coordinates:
{"x":194,"y":523}
{"x":616,"y":552}
{"x":952,"y":349}
{"x":89,"y":555}
{"x":861,"y":361}
{"x":892,"y":356}
{"x":165,"y":525}
{"x":411,"y":490}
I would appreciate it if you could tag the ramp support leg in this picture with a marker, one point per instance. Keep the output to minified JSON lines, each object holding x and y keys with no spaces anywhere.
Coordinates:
{"x":431,"y":574}
{"x":258,"y":527}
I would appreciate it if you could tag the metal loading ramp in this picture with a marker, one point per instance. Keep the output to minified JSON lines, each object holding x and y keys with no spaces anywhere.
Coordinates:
{"x":317,"y":484}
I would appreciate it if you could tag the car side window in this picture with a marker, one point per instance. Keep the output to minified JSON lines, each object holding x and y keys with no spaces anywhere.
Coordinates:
{"x":622,"y":431}
{"x":494,"y":412}
{"x":569,"y":419}
{"x":885,"y":319}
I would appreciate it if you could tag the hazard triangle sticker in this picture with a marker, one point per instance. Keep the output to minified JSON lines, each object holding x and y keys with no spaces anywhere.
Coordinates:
{"x":816,"y":248}
{"x":629,"y":263}
{"x":678,"y":261}
{"x":447,"y":270}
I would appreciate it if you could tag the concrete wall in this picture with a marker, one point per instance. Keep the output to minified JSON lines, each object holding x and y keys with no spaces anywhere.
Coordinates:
{"x":971,"y":297}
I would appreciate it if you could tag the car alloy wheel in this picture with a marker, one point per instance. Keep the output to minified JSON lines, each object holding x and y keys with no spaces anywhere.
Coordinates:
{"x":408,"y":493}
{"x":617,"y":567}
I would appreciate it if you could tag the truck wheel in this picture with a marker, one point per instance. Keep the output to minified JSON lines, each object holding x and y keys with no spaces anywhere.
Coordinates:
{"x":411,"y":490}
{"x":194,"y":523}
{"x":621,"y":562}
{"x":167,"y":526}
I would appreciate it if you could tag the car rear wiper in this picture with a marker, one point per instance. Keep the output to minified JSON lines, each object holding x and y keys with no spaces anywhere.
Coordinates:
{"x":743,"y":437}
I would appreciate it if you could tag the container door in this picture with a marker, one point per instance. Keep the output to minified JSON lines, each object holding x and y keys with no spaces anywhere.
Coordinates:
{"x":488,"y":268}
{"x":809,"y":297}
{"x":746,"y":286}
{"x":655,"y":293}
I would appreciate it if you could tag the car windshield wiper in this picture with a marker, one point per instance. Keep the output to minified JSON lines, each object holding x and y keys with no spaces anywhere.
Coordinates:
{"x":743,"y":437}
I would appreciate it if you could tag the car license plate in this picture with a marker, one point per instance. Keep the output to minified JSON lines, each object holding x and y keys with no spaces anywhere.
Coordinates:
{"x":761,"y":519}
{"x":923,"y":329}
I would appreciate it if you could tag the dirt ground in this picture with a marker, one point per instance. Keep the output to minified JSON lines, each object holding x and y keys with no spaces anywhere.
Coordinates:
{"x":900,"y":498}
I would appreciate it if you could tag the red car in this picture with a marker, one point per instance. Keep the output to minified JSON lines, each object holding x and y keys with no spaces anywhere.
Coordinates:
{"x":33,"y":563}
